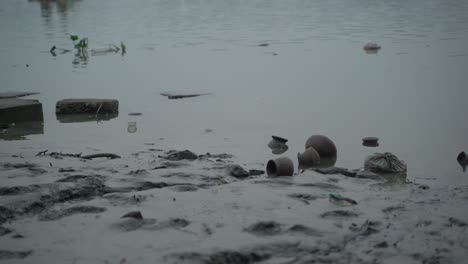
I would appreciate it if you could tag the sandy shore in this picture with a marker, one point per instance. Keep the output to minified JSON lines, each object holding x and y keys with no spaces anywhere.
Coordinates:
{"x":56,"y":209}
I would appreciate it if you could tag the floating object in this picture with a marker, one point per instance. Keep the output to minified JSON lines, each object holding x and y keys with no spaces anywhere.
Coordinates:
{"x":372,"y":46}
{"x":181,"y":96}
{"x":87,"y":106}
{"x":462,"y":157}
{"x":132,"y":128}
{"x":384,"y":162}
{"x":370,"y":141}
{"x":278,"y":151}
{"x":309,"y":158}
{"x":135,"y":114}
{"x":322,"y":144}
{"x":280,"y":167}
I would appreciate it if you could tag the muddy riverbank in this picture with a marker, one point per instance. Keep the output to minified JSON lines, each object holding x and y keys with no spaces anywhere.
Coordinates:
{"x":61,"y":208}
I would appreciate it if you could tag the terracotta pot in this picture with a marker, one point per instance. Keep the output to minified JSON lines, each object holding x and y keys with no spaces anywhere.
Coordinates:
{"x":322,"y":144}
{"x":309,"y":158}
{"x":280,"y":167}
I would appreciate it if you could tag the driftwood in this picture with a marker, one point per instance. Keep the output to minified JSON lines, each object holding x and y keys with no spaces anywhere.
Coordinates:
{"x":101,"y":155}
{"x":180,"y":96}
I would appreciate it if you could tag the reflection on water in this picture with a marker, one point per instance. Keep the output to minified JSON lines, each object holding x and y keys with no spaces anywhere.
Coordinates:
{"x":61,"y":6}
{"x":19,"y":131}
{"x":80,"y":118}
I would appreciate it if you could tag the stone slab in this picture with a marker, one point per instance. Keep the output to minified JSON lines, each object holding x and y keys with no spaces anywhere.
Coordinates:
{"x":87,"y":106}
{"x":20,"y":110}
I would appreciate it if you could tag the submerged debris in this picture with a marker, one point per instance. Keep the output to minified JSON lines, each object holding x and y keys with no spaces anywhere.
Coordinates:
{"x":181,"y":96}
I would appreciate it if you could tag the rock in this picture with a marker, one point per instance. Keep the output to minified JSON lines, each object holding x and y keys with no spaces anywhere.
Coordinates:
{"x":336,"y":170}
{"x":238,"y":172}
{"x":5,"y":95}
{"x":383,"y":244}
{"x":20,"y":110}
{"x":88,"y":106}
{"x":181,"y":155}
{"x":266,"y":228}
{"x":256,"y":172}
{"x":133,"y":214}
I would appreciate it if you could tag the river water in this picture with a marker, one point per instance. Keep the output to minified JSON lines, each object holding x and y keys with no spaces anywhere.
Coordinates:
{"x":313,"y":77}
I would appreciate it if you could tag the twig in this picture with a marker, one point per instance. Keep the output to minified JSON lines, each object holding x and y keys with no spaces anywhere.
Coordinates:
{"x":42,"y":153}
{"x":55,"y":154}
{"x":101,"y":155}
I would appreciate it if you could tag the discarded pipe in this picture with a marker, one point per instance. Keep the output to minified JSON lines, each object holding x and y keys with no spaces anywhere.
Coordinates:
{"x":322,"y":144}
{"x":280,"y":167}
{"x":309,"y":158}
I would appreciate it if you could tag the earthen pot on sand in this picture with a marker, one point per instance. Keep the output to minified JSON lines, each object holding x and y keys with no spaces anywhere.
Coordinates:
{"x":280,"y":167}
{"x":322,"y":144}
{"x":309,"y":158}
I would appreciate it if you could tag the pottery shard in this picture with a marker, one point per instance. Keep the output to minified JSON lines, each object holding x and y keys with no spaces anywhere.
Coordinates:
{"x":87,"y":106}
{"x":20,"y":110}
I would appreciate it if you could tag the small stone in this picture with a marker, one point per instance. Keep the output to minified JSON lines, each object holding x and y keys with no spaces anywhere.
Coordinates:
{"x":133,"y":214}
{"x":238,"y":172}
{"x":256,"y":172}
{"x":383,"y":244}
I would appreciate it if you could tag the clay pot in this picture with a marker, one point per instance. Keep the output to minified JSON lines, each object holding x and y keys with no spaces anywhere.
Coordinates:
{"x":280,"y":167}
{"x":322,"y":144}
{"x":309,"y":158}
{"x":278,"y":145}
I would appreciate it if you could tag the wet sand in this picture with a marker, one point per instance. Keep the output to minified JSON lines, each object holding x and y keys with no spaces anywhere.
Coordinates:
{"x":59,"y":209}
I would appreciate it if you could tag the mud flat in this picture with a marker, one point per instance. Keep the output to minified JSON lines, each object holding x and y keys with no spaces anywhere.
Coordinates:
{"x":182,"y":207}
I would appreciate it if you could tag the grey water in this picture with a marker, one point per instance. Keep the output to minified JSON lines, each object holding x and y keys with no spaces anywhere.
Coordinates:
{"x":311,"y":76}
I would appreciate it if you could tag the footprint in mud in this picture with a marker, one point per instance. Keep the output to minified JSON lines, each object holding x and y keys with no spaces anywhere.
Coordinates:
{"x":339,"y":214}
{"x":52,"y":215}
